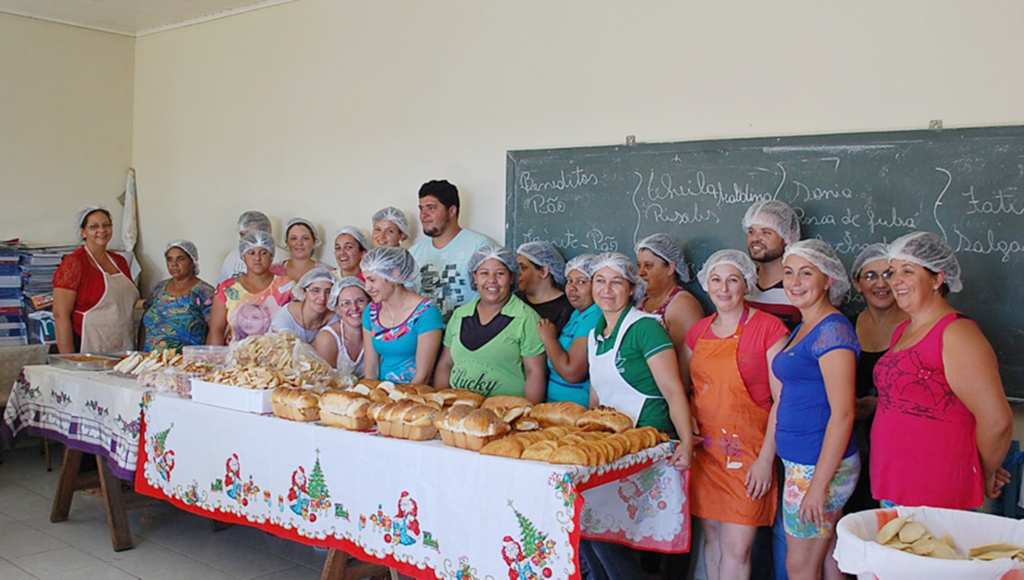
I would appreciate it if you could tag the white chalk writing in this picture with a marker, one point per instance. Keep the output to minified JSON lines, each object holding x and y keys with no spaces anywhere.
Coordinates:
{"x":577,"y":177}
{"x":989,"y":245}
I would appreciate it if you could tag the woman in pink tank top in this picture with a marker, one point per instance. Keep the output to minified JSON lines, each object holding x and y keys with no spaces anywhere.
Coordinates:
{"x":939,"y":376}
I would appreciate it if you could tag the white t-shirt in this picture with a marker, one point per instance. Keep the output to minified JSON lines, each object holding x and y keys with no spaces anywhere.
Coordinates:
{"x":444,"y":276}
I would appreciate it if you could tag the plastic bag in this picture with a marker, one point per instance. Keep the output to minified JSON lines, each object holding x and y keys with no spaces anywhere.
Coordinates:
{"x":858,"y":553}
{"x":281,"y":351}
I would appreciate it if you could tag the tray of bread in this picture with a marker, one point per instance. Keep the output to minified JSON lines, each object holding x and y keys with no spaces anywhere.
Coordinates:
{"x":137,"y":363}
{"x":573,"y":445}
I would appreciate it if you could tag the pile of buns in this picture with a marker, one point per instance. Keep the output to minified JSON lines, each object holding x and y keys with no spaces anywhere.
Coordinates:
{"x":572,"y":445}
{"x":464,"y":427}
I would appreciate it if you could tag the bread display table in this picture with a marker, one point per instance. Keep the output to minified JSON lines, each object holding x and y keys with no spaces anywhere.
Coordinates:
{"x":428,"y":510}
{"x":89,"y":412}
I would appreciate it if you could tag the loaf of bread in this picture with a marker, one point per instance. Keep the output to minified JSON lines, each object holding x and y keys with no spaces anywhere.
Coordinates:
{"x":450,"y":397}
{"x":406,"y":419}
{"x":467,"y":428}
{"x":508,"y":407}
{"x":602,"y":418}
{"x":345,"y":409}
{"x":295,"y":404}
{"x":560,"y":414}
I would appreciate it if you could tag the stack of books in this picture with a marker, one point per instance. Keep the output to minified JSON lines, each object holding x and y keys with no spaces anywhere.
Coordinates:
{"x":38,"y":265}
{"x":13,"y":331}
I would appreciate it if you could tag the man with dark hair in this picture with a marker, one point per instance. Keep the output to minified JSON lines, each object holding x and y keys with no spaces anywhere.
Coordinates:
{"x":443,"y":256}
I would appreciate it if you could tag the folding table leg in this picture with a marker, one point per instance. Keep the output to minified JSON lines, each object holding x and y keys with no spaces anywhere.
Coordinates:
{"x":66,"y":486}
{"x":341,"y":566}
{"x":117,"y":516}
{"x":334,"y":567}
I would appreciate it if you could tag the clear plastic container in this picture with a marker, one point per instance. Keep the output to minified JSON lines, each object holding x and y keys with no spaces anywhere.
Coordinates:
{"x":206,"y":354}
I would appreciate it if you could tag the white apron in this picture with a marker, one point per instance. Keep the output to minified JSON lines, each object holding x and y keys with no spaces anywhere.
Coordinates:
{"x":110,"y":325}
{"x":613,"y":390}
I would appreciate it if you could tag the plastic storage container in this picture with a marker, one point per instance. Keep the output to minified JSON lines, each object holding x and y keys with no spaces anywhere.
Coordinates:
{"x":206,"y":354}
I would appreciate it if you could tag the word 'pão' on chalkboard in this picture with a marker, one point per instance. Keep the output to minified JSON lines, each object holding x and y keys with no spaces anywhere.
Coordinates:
{"x":850,"y":190}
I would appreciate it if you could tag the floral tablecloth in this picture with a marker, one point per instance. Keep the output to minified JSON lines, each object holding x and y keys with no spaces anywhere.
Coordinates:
{"x":428,"y":510}
{"x":94,"y":412}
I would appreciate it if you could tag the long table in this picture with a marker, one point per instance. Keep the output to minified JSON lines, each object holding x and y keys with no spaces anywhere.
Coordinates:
{"x":425,"y":509}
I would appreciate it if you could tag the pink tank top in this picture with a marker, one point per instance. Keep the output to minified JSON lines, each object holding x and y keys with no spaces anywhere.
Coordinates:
{"x":660,"y":312}
{"x":923,"y":446}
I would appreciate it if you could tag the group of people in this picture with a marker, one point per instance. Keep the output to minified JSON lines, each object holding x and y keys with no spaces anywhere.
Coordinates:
{"x":903,"y":405}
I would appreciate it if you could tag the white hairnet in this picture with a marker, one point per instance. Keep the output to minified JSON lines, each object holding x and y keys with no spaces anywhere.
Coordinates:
{"x":254,"y":220}
{"x":83,"y":213}
{"x":305,"y":222}
{"x":187,"y":247}
{"x":824,"y":258}
{"x":735,"y":258}
{"x":256,"y":239}
{"x":869,"y":254}
{"x":355,"y":233}
{"x":584,"y":263}
{"x":493,"y":252}
{"x":776,"y":215}
{"x":340,"y":285}
{"x":307,"y":279}
{"x":930,"y":251}
{"x":667,"y":248}
{"x":396,"y":265}
{"x":395,"y":216}
{"x":626,"y":268}
{"x":545,"y":255}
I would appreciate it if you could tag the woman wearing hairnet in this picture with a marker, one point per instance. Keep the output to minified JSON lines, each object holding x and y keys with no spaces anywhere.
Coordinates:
{"x":341,"y":343}
{"x":732,"y":487}
{"x":663,"y":269}
{"x":390,"y":228}
{"x":401,"y":329}
{"x":245,"y":305}
{"x":875,"y":326}
{"x":178,"y":310}
{"x":349,"y":248}
{"x":309,"y":312}
{"x":301,"y":239}
{"x":491,"y":345}
{"x":248,"y":221}
{"x":943,"y":424}
{"x":567,"y":352}
{"x":541,"y":279}
{"x":93,"y":292}
{"x":814,"y":417}
{"x":634,"y":369}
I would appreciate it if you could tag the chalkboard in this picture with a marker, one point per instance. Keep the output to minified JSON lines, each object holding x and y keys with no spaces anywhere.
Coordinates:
{"x":850,"y":190}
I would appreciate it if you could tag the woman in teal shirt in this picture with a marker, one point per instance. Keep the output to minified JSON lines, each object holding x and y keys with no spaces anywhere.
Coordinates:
{"x":567,"y":352}
{"x":491,"y":345}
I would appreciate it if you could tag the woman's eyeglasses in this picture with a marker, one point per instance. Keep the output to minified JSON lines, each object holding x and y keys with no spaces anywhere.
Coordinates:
{"x":872,"y":276}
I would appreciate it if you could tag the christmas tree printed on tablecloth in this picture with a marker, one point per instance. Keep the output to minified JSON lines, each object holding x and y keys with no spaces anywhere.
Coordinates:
{"x":308,"y":497}
{"x":644,"y":493}
{"x":162,"y":458}
{"x":529,"y":557}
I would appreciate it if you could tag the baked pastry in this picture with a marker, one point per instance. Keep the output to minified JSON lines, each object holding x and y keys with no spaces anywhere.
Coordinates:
{"x":526,"y":424}
{"x":560,"y":414}
{"x":450,"y":397}
{"x":295,"y":404}
{"x":407,"y":419}
{"x":505,"y":447}
{"x":602,"y":418}
{"x":346,"y":410}
{"x":505,"y":402}
{"x":481,"y":427}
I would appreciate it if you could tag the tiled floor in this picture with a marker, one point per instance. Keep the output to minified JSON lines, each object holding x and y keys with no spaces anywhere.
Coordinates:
{"x":169,"y":543}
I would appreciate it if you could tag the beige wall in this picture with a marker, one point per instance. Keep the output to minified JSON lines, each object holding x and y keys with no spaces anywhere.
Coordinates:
{"x":331,"y":109}
{"x":65,"y":125}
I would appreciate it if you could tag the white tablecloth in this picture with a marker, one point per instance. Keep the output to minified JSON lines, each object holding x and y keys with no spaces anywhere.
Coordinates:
{"x":429,"y":510}
{"x":94,"y":412}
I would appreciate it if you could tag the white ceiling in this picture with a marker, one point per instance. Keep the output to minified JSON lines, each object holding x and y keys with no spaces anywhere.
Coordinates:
{"x":131,"y":17}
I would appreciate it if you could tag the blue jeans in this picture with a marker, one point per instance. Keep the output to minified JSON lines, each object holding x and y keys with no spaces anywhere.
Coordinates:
{"x":610,"y":561}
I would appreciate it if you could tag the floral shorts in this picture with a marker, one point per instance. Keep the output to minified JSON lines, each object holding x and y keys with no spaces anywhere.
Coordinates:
{"x":798,"y":480}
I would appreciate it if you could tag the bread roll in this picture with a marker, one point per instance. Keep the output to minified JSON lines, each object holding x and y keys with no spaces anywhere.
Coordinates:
{"x":540,"y":451}
{"x":526,"y":424}
{"x":345,"y":421}
{"x":295,"y":404}
{"x":506,"y":402}
{"x":569,"y":454}
{"x":604,"y":418}
{"x":560,"y":414}
{"x":345,"y":409}
{"x":506,"y":447}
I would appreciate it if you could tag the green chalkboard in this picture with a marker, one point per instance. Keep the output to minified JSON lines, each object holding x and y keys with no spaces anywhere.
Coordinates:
{"x":850,"y":190}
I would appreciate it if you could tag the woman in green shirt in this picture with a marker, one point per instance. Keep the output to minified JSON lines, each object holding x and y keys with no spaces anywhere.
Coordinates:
{"x":491,"y":345}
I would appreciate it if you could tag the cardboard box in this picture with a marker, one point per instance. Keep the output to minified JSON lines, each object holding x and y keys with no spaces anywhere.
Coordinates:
{"x":229,"y":397}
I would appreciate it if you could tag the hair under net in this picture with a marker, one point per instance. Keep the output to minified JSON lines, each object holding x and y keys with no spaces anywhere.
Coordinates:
{"x":303,"y":222}
{"x":735,"y":258}
{"x":396,"y":265}
{"x":824,"y":258}
{"x":545,"y":255}
{"x":355,"y":233}
{"x":256,"y":239}
{"x":667,"y":248}
{"x":626,"y":268}
{"x":83,"y":213}
{"x":494,"y":252}
{"x":584,"y":263}
{"x":339,"y":287}
{"x":395,"y":216}
{"x":254,"y":220}
{"x":310,"y":278}
{"x":776,"y":215}
{"x":930,"y":251}
{"x":187,"y":247}
{"x":869,"y":254}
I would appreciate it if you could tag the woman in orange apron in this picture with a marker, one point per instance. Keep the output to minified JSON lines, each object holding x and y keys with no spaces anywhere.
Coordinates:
{"x":732,"y":487}
{"x":93,"y":295}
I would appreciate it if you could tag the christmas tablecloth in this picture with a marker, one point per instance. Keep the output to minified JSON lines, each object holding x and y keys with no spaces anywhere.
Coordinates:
{"x":88,"y":411}
{"x":428,"y":510}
